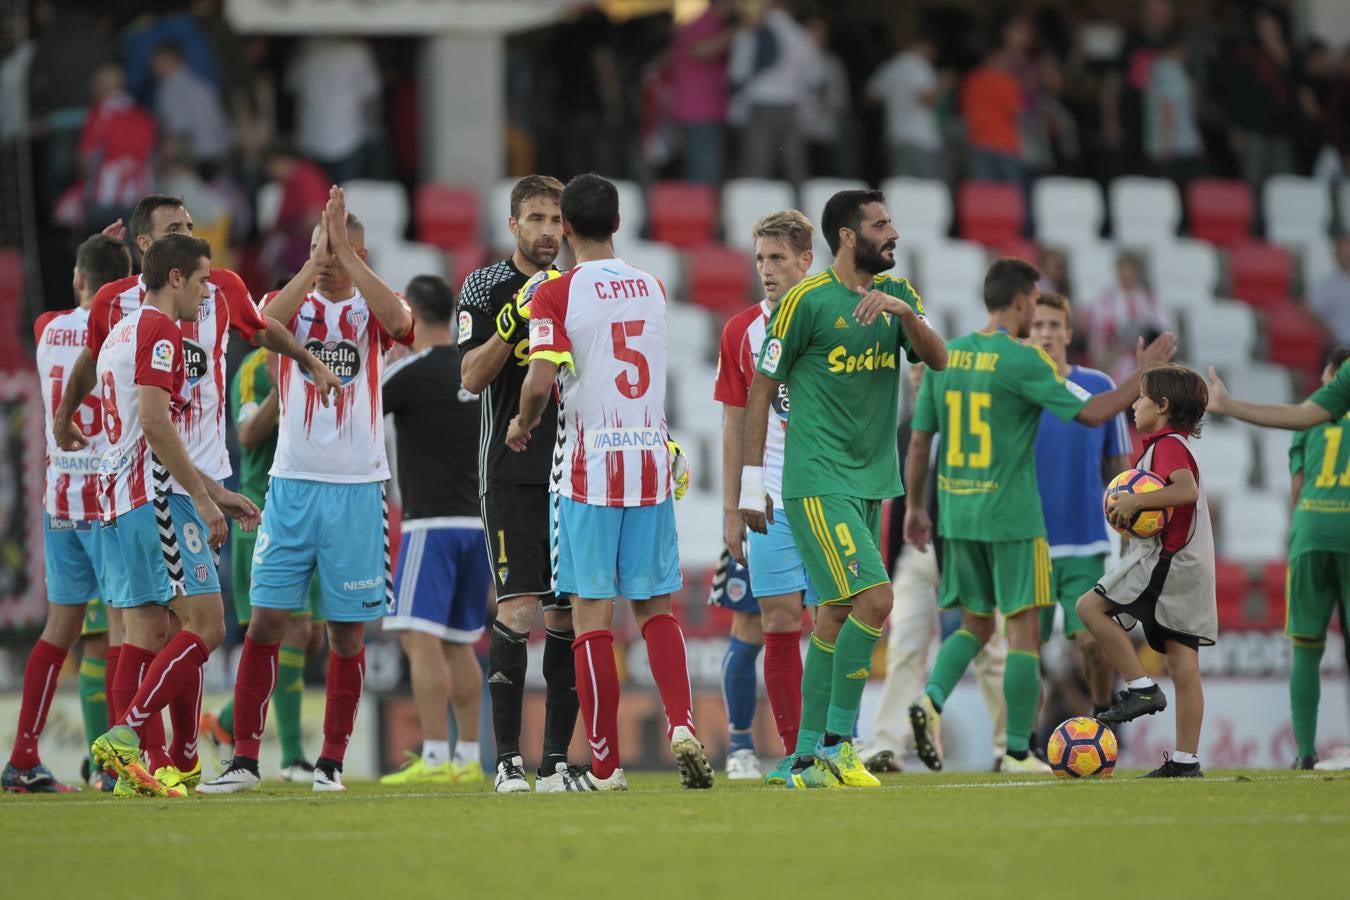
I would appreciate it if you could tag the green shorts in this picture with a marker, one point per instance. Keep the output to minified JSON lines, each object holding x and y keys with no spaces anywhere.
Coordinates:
{"x":839,"y":539}
{"x":984,"y":576}
{"x":1316,"y":584}
{"x":1070,"y":578}
{"x":241,"y":566}
{"x":95,"y":619}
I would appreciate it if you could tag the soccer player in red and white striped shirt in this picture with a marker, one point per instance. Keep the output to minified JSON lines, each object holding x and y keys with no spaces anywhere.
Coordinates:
{"x":75,"y":571}
{"x":599,"y":331}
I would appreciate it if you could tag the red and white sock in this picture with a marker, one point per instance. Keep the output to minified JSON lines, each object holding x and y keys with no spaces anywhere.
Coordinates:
{"x":783,"y":683}
{"x":598,"y":693}
{"x":132,"y":665}
{"x":346,"y":674}
{"x":185,"y":715}
{"x":665,"y":655}
{"x":39,"y":686}
{"x":109,"y":678}
{"x":253,"y":686}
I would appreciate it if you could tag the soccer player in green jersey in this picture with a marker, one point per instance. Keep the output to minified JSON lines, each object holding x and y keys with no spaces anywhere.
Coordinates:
{"x":1318,"y":581}
{"x":254,"y":406}
{"x":987,"y":405}
{"x":836,"y":339}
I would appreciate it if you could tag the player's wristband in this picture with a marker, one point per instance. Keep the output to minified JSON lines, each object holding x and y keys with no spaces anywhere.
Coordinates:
{"x":507,"y":323}
{"x":752,"y":488}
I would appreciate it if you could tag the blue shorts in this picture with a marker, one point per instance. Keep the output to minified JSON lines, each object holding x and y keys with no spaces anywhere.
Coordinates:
{"x":736,"y":594}
{"x":116,"y":587}
{"x":615,"y":551}
{"x":776,"y":567}
{"x":73,"y":558}
{"x":143,"y":554}
{"x":442,"y":581}
{"x":337,"y":530}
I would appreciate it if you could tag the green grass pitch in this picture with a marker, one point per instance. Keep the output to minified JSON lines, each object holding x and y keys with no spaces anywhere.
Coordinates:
{"x":1234,"y":834}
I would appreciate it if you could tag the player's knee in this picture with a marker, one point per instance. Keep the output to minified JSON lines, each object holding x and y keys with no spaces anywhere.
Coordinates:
{"x":346,"y":638}
{"x":212,"y":633}
{"x":981,"y":627}
{"x":267,"y":626}
{"x":1089,"y":605}
{"x":747,"y":627}
{"x":517,"y":613}
{"x":782,"y":619}
{"x":558,"y":619}
{"x":63,"y":626}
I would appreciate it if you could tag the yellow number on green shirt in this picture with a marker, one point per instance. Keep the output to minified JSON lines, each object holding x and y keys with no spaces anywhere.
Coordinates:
{"x":1327,"y":476}
{"x":978,"y":402}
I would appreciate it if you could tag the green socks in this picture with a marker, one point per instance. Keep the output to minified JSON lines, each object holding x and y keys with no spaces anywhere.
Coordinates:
{"x":1305,"y":690}
{"x":852,"y":665}
{"x":817,"y":670}
{"x":1021,"y":688}
{"x":93,"y":700}
{"x":954,"y":657}
{"x":227,"y":716}
{"x":286,"y":701}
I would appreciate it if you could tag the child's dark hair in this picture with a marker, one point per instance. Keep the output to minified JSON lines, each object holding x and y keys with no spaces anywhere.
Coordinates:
{"x":1185,"y":392}
{"x":1336,"y":356}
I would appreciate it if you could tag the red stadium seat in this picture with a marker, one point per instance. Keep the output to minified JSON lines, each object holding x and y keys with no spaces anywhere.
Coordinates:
{"x":1018,"y":248}
{"x":11,"y":308}
{"x":445,"y":216}
{"x":1272,"y":589}
{"x":1292,"y":339}
{"x":1232,"y":586}
{"x":465,"y":258}
{"x":990,"y":212}
{"x":1262,"y":274}
{"x":682,"y":213}
{"x":719,"y":278}
{"x":1220,"y":210}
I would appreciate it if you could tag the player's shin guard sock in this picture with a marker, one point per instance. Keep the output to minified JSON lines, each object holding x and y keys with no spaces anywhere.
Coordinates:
{"x":93,"y":698}
{"x":226,"y":717}
{"x":1021,"y":689}
{"x":598,"y":687}
{"x":345,"y":677}
{"x":560,"y":697}
{"x":739,"y":691}
{"x":286,"y":698}
{"x":132,"y":665}
{"x":954,"y":657}
{"x":852,"y":666}
{"x":1305,"y":691}
{"x":185,"y":715}
{"x":110,"y":676}
{"x":507,"y":658}
{"x":253,"y":686}
{"x":817,"y":672}
{"x":783,"y":683}
{"x":39,"y":686}
{"x":665,"y":655}
{"x":175,"y":670}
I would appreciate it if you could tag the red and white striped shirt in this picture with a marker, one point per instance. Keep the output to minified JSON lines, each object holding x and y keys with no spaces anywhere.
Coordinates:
{"x":145,"y":347}
{"x":72,"y":476}
{"x":742,"y":339}
{"x":204,"y":344}
{"x":605,"y":322}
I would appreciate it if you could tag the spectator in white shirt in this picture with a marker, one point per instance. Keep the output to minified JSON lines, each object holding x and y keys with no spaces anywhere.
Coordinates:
{"x":337,"y":103}
{"x":1330,"y":300}
{"x":907,"y":86}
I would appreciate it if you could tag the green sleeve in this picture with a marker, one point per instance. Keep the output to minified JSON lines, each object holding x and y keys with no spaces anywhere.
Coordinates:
{"x":249,"y":386}
{"x":788,"y":335}
{"x":1334,"y":397}
{"x":1036,"y":378}
{"x":900,"y":287}
{"x":925,"y":408}
{"x":1296,"y":448}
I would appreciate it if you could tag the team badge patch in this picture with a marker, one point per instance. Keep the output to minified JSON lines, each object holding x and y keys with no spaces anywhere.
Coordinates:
{"x":853,"y":567}
{"x":773,"y":353}
{"x":200,"y":571}
{"x":356,"y":317}
{"x":502,"y":573}
{"x":541,"y":331}
{"x":465,"y":325}
{"x":161,"y":355}
{"x":736,"y":589}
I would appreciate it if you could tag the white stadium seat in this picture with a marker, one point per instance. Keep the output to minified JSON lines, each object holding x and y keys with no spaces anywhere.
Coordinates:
{"x":1066,"y":210}
{"x":1143,"y":210}
{"x":1317,"y":260}
{"x":1092,"y":269}
{"x":1260,"y":383}
{"x":661,"y":260}
{"x":1343,"y":201}
{"x":382,"y":207}
{"x":269,"y":206}
{"x":1183,"y":266}
{"x":690,"y":332}
{"x":1273,"y":447}
{"x":817,"y":191}
{"x":398,"y":262}
{"x":1253,"y":528}
{"x":745,"y":201}
{"x":1226,"y":456}
{"x":496,"y":211}
{"x":950,"y":268}
{"x":1190,"y":307}
{"x":920,"y":207}
{"x":1296,"y":209}
{"x":1223,"y":338}
{"x":632,"y":214}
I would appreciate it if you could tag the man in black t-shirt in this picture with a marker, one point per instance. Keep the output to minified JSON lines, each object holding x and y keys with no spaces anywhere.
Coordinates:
{"x":494,"y":338}
{"x":444,"y":574}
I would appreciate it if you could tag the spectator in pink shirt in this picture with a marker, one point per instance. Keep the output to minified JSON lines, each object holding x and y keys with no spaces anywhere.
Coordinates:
{"x":698,"y":74}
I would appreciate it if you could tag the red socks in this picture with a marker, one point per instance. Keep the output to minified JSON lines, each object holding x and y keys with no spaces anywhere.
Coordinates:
{"x":109,"y":676}
{"x":39,"y":686}
{"x":783,"y":683}
{"x":598,"y":692}
{"x":132,"y":665}
{"x":252,"y":689}
{"x":185,"y":712}
{"x":665,"y":655}
{"x":345,"y":676}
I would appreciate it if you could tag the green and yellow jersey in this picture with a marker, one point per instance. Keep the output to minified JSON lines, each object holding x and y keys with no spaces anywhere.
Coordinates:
{"x":1334,"y":396}
{"x":248,"y":388}
{"x":1321,"y":518}
{"x":987,"y":406}
{"x":844,"y":383}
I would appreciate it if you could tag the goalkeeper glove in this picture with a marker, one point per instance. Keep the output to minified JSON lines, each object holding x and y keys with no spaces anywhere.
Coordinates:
{"x":526,"y":292}
{"x":679,"y":469}
{"x":507,"y":323}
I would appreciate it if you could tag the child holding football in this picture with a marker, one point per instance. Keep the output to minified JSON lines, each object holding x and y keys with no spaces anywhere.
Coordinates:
{"x":1165,"y":583}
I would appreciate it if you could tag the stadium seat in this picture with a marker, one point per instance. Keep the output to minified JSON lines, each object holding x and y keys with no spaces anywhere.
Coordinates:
{"x":13,"y":348}
{"x":1018,"y":248}
{"x":1232,"y":585}
{"x":464,"y":259}
{"x":496,"y":228}
{"x":1224,"y":338}
{"x":719,"y":278}
{"x":1183,"y":266}
{"x":445,"y":216}
{"x":816,"y":192}
{"x":660,"y":260}
{"x":1220,"y":210}
{"x":1317,"y":260}
{"x":632,"y":214}
{"x":1272,"y":445}
{"x":1066,"y":210}
{"x":1253,"y":527}
{"x":1260,"y":382}
{"x":990,"y":212}
{"x":1143,"y":210}
{"x":1225,"y":455}
{"x":690,"y":329}
{"x":398,"y":262}
{"x":1185,"y":307}
{"x":745,"y":201}
{"x":1343,"y":202}
{"x":1273,"y":575}
{"x":922,"y":208}
{"x":269,"y":206}
{"x":1296,"y":209}
{"x":681,"y":213}
{"x":1260,"y":274}
{"x":1292,"y":339}
{"x":950,"y":268}
{"x":382,"y":207}
{"x":1092,"y":269}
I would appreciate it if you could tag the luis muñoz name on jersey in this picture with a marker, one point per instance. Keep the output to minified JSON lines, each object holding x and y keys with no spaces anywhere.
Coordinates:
{"x":604,"y":440}
{"x":340,"y":356}
{"x":873,"y":358}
